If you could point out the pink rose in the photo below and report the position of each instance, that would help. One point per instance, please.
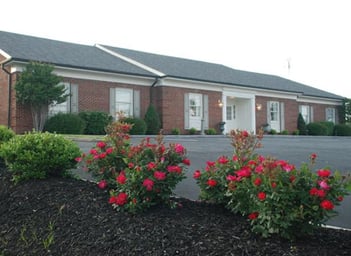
(148, 184)
(197, 174)
(159, 175)
(211, 183)
(102, 184)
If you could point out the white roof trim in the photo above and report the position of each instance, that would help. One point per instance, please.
(6, 55)
(131, 61)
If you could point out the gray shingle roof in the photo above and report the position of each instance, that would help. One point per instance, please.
(28, 48)
(210, 72)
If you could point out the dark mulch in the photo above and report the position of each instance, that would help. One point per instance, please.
(83, 223)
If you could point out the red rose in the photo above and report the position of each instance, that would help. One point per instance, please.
(327, 205)
(109, 150)
(121, 199)
(102, 184)
(323, 173)
(179, 149)
(223, 160)
(148, 184)
(340, 198)
(197, 174)
(212, 183)
(159, 175)
(101, 144)
(151, 166)
(257, 181)
(313, 156)
(273, 185)
(261, 196)
(121, 179)
(253, 215)
(186, 161)
(174, 168)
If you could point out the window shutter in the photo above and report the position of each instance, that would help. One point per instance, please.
(68, 98)
(136, 103)
(268, 112)
(282, 116)
(205, 109)
(186, 111)
(113, 103)
(311, 114)
(74, 98)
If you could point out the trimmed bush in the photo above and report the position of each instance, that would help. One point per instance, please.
(211, 131)
(38, 155)
(152, 120)
(175, 131)
(65, 123)
(317, 129)
(139, 125)
(301, 125)
(96, 122)
(329, 126)
(192, 131)
(342, 130)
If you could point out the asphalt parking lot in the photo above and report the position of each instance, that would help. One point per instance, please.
(332, 152)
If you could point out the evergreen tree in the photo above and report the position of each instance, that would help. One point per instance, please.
(37, 87)
(152, 120)
(301, 125)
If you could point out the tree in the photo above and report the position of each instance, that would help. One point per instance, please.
(345, 111)
(301, 125)
(37, 87)
(152, 120)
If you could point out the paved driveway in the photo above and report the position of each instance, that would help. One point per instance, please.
(333, 152)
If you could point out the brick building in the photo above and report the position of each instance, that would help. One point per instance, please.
(187, 93)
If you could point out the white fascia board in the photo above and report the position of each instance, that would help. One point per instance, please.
(131, 61)
(325, 101)
(92, 75)
(277, 94)
(6, 55)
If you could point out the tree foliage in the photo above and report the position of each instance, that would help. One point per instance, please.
(152, 120)
(345, 111)
(37, 87)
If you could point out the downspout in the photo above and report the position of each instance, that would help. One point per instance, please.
(151, 89)
(10, 94)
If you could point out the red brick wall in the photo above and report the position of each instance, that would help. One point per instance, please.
(291, 112)
(170, 105)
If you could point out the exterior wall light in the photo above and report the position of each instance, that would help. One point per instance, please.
(258, 106)
(220, 103)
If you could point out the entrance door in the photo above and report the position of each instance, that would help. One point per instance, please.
(274, 115)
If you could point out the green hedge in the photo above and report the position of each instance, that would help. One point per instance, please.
(342, 130)
(96, 122)
(317, 128)
(65, 123)
(139, 125)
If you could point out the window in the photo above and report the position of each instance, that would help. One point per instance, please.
(274, 110)
(330, 114)
(195, 101)
(230, 112)
(306, 112)
(124, 102)
(70, 105)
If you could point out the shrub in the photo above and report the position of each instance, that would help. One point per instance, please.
(138, 176)
(301, 125)
(317, 129)
(65, 123)
(39, 155)
(211, 131)
(342, 130)
(273, 132)
(276, 197)
(138, 125)
(152, 120)
(296, 132)
(175, 131)
(284, 132)
(329, 126)
(5, 135)
(96, 122)
(192, 131)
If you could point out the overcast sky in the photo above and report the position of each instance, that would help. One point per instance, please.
(307, 41)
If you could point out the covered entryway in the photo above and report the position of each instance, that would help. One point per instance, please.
(238, 112)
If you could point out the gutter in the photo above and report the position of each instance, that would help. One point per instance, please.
(9, 88)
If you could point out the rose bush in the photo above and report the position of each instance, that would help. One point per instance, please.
(276, 197)
(137, 176)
